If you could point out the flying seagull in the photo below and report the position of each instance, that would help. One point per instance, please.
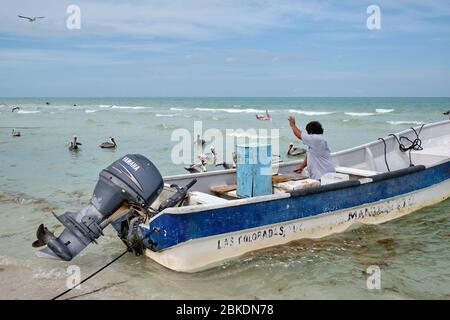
(33, 19)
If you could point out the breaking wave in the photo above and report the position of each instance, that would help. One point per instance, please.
(249, 110)
(90, 111)
(127, 107)
(396, 123)
(384, 110)
(311, 113)
(27, 111)
(165, 115)
(177, 109)
(359, 114)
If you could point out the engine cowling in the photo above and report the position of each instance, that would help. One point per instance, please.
(131, 180)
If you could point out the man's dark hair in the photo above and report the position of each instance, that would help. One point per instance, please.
(314, 127)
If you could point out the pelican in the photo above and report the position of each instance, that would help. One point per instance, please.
(210, 156)
(73, 146)
(295, 151)
(200, 141)
(226, 165)
(264, 117)
(31, 19)
(111, 144)
(447, 114)
(15, 133)
(15, 109)
(197, 168)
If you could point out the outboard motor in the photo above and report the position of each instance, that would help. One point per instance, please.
(131, 181)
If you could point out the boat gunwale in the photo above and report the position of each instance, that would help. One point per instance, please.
(355, 183)
(336, 153)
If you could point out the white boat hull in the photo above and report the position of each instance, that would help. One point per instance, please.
(204, 253)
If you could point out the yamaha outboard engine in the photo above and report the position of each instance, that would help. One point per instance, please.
(130, 181)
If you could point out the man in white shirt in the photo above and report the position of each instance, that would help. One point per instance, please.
(318, 158)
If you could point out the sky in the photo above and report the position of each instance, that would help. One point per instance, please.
(207, 48)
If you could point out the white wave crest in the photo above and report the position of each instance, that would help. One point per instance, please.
(396, 123)
(249, 110)
(384, 110)
(90, 111)
(104, 106)
(250, 135)
(177, 109)
(27, 111)
(127, 107)
(165, 115)
(311, 113)
(359, 114)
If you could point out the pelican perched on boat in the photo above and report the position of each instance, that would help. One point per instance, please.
(73, 145)
(111, 144)
(295, 151)
(264, 117)
(15, 133)
(197, 167)
(226, 165)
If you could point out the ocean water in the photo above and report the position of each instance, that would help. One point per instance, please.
(38, 174)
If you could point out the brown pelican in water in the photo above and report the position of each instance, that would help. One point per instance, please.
(15, 133)
(295, 151)
(198, 167)
(447, 114)
(210, 157)
(200, 141)
(264, 117)
(15, 109)
(111, 144)
(73, 146)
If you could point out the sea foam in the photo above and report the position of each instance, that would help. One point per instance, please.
(359, 114)
(384, 110)
(27, 111)
(249, 110)
(311, 113)
(405, 122)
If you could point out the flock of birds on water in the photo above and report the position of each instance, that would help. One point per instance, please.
(204, 158)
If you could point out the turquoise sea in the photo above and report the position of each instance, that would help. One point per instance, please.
(39, 174)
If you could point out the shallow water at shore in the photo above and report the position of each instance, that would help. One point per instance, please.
(38, 174)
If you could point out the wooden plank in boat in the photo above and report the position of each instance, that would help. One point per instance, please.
(223, 188)
(289, 177)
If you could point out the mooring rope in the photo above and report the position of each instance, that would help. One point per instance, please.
(96, 272)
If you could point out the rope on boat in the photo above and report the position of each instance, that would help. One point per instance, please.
(96, 272)
(385, 156)
(415, 145)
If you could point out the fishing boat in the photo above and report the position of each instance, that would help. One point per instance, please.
(206, 222)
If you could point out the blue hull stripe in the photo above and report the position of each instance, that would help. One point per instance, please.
(175, 229)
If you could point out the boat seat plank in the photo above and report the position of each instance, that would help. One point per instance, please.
(357, 172)
(223, 188)
(227, 191)
(198, 197)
